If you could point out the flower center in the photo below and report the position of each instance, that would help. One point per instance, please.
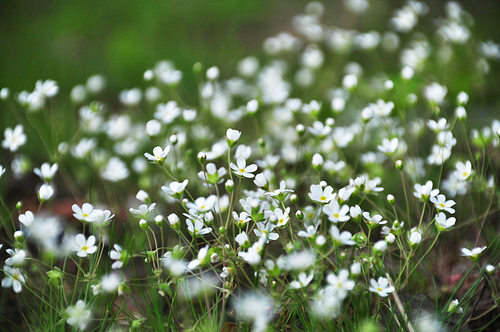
(242, 170)
(85, 248)
(322, 198)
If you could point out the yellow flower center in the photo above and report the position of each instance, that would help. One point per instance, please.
(85, 248)
(242, 170)
(322, 198)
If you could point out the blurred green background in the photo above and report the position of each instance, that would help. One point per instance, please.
(68, 41)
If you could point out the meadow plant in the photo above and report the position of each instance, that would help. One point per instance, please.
(335, 183)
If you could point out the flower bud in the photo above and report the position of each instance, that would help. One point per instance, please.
(143, 224)
(262, 142)
(159, 220)
(202, 158)
(229, 186)
(391, 199)
(173, 220)
(490, 269)
(301, 130)
(399, 165)
(19, 236)
(19, 205)
(222, 230)
(299, 214)
(294, 198)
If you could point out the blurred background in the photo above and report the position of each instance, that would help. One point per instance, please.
(68, 41)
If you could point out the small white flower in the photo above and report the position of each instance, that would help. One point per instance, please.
(441, 203)
(175, 188)
(45, 192)
(153, 127)
(46, 171)
(320, 195)
(241, 169)
(83, 246)
(473, 253)
(159, 154)
(78, 315)
(388, 146)
(110, 283)
(232, 136)
(82, 213)
(310, 232)
(17, 257)
(14, 138)
(118, 255)
(464, 171)
(13, 278)
(303, 281)
(197, 228)
(341, 284)
(27, 218)
(423, 192)
(381, 287)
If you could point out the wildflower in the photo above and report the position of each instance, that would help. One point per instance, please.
(373, 221)
(388, 146)
(197, 228)
(46, 172)
(212, 174)
(309, 233)
(474, 253)
(423, 192)
(115, 170)
(439, 126)
(175, 188)
(153, 127)
(17, 257)
(143, 211)
(320, 195)
(201, 259)
(202, 204)
(381, 287)
(355, 212)
(464, 171)
(281, 193)
(242, 219)
(441, 203)
(435, 93)
(335, 212)
(415, 236)
(14, 138)
(341, 284)
(82, 213)
(252, 256)
(110, 283)
(119, 256)
(243, 151)
(317, 161)
(340, 239)
(242, 169)
(299, 260)
(303, 281)
(232, 136)
(242, 239)
(265, 231)
(159, 155)
(381, 108)
(176, 266)
(45, 192)
(100, 218)
(78, 315)
(13, 278)
(143, 196)
(453, 307)
(255, 307)
(27, 218)
(83, 246)
(281, 216)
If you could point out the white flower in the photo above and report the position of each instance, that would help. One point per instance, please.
(415, 236)
(303, 281)
(388, 146)
(255, 307)
(343, 238)
(301, 260)
(46, 171)
(197, 228)
(153, 127)
(320, 195)
(48, 88)
(100, 218)
(14, 138)
(464, 171)
(317, 160)
(242, 169)
(473, 253)
(423, 192)
(241, 238)
(373, 221)
(381, 287)
(309, 232)
(110, 283)
(381, 108)
(335, 212)
(242, 219)
(45, 192)
(175, 188)
(252, 256)
(265, 231)
(83, 246)
(444, 224)
(441, 203)
(27, 218)
(13, 278)
(78, 315)
(232, 136)
(17, 257)
(439, 126)
(435, 93)
(115, 170)
(82, 213)
(281, 216)
(202, 204)
(341, 284)
(200, 259)
(117, 254)
(159, 155)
